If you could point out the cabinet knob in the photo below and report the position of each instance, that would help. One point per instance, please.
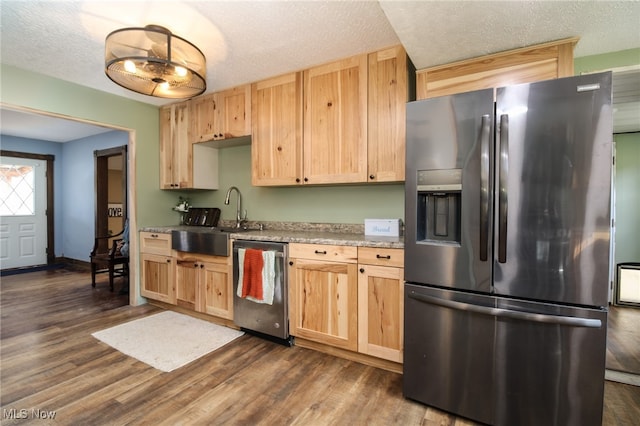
(290, 263)
(306, 180)
(195, 265)
(201, 266)
(297, 180)
(362, 270)
(168, 260)
(372, 177)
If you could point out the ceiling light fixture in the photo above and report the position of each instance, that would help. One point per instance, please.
(154, 62)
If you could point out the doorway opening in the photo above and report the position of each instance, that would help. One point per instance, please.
(111, 191)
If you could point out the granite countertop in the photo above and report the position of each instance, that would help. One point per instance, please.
(338, 234)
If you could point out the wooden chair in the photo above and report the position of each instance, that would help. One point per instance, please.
(110, 259)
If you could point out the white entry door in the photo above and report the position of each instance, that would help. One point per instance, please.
(23, 221)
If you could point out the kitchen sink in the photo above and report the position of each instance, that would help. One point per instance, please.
(212, 241)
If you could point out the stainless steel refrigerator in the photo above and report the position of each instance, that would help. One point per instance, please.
(508, 201)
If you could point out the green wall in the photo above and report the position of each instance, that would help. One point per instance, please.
(316, 204)
(35, 91)
(605, 61)
(627, 202)
(627, 195)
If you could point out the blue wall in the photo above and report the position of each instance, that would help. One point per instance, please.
(74, 186)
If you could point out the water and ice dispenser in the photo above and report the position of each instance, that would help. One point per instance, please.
(439, 207)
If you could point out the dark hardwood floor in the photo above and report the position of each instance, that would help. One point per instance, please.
(51, 363)
(623, 339)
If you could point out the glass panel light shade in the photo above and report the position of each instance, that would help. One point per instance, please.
(154, 62)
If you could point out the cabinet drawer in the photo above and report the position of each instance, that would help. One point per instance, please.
(182, 256)
(326, 252)
(381, 256)
(155, 243)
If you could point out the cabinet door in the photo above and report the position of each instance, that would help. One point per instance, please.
(235, 116)
(176, 159)
(276, 145)
(187, 273)
(525, 65)
(380, 312)
(204, 116)
(158, 276)
(323, 302)
(388, 95)
(335, 122)
(216, 294)
(167, 175)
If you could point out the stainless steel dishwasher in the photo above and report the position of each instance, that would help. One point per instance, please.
(269, 321)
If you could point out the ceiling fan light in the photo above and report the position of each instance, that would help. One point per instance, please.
(130, 66)
(181, 71)
(154, 62)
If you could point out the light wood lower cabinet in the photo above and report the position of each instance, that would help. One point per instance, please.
(355, 306)
(204, 284)
(157, 270)
(157, 275)
(323, 304)
(381, 303)
(216, 289)
(197, 282)
(187, 276)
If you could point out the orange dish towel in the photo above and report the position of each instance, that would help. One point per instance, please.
(252, 277)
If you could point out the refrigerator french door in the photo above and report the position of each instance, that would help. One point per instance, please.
(507, 251)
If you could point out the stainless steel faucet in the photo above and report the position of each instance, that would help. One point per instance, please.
(239, 219)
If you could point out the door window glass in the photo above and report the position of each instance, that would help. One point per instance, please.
(17, 185)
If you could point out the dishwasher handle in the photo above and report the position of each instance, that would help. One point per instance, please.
(278, 253)
(508, 313)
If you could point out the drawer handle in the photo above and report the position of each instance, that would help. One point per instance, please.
(321, 252)
(379, 256)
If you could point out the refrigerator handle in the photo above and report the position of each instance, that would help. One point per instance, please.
(502, 197)
(508, 313)
(485, 133)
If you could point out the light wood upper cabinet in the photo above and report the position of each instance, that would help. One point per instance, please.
(206, 124)
(353, 115)
(221, 115)
(335, 122)
(236, 111)
(176, 158)
(534, 63)
(391, 86)
(183, 164)
(276, 145)
(323, 299)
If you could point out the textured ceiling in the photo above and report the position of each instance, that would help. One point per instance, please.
(439, 32)
(246, 41)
